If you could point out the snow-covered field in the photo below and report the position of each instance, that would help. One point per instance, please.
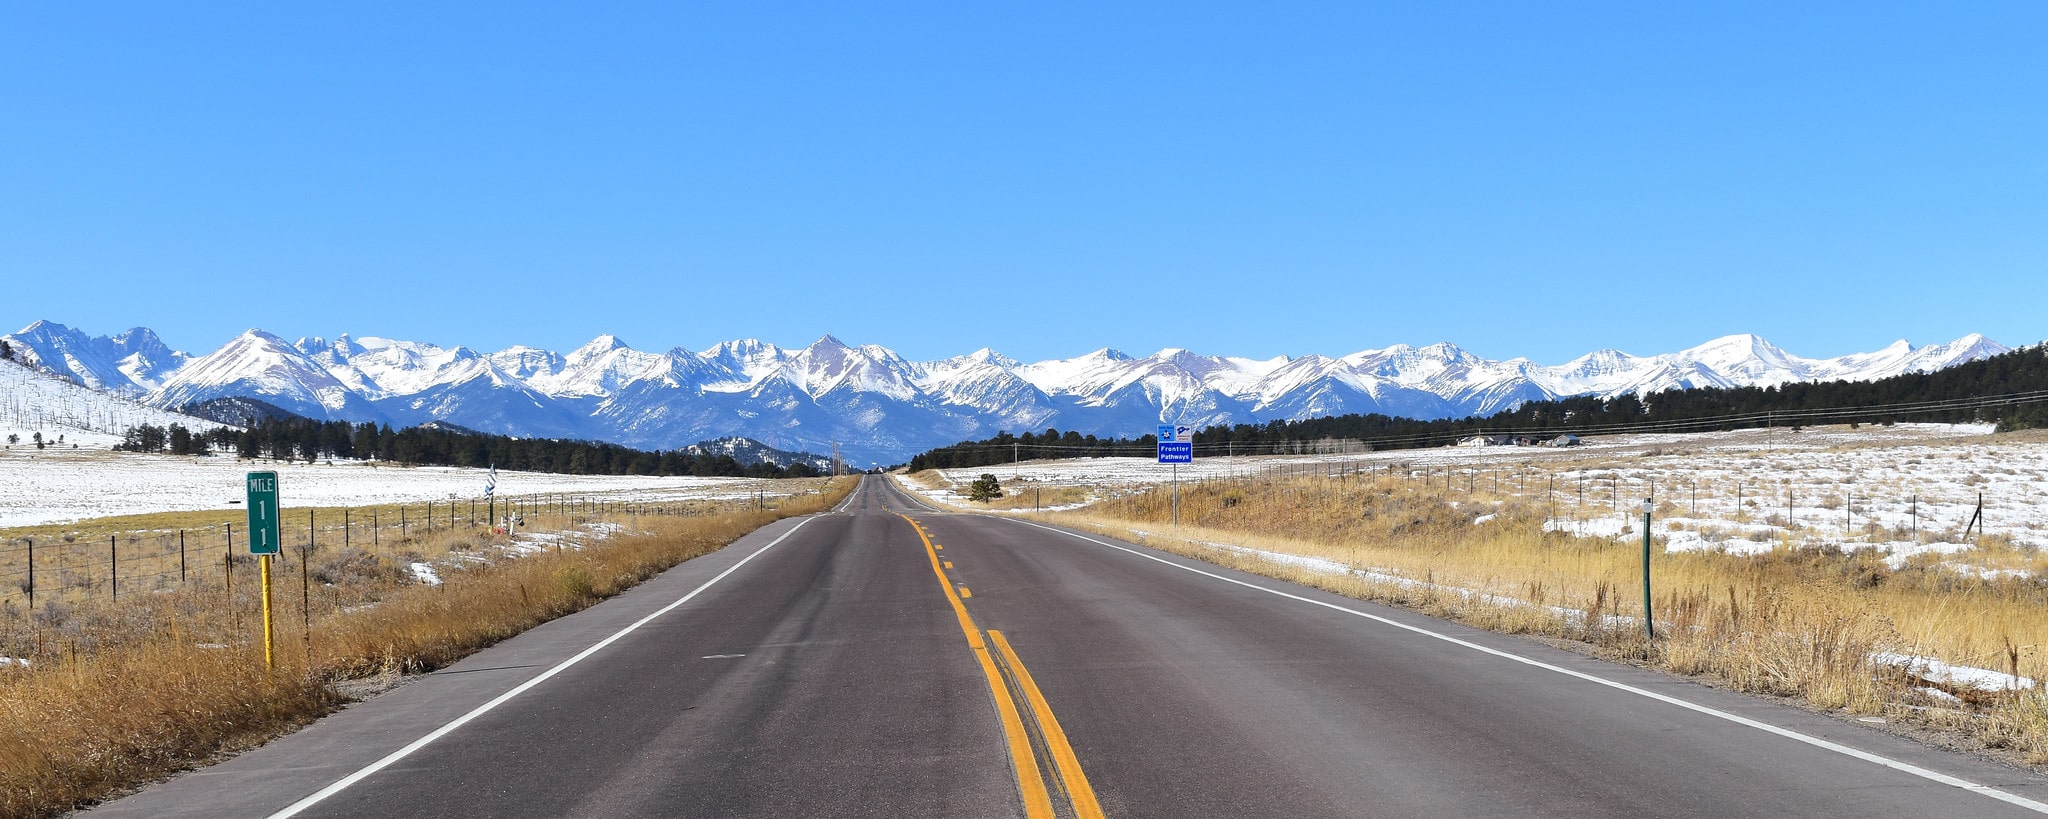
(60, 485)
(1859, 488)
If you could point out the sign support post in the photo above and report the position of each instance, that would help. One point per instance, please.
(1176, 496)
(269, 642)
(263, 542)
(1176, 447)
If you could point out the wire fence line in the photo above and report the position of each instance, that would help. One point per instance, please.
(36, 572)
(1831, 511)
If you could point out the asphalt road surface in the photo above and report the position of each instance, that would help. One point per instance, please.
(888, 659)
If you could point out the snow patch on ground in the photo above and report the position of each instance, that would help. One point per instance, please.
(1954, 676)
(525, 543)
(55, 486)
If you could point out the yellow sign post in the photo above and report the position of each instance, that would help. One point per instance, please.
(263, 542)
(269, 661)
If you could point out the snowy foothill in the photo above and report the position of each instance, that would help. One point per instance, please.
(62, 485)
(66, 415)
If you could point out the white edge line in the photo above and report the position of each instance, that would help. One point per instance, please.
(913, 497)
(1937, 776)
(480, 710)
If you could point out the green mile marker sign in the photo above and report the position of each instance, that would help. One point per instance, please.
(263, 513)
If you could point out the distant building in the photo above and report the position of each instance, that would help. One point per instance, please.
(1487, 440)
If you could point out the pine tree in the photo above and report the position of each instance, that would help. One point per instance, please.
(984, 489)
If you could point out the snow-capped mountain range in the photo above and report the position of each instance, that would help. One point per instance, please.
(878, 406)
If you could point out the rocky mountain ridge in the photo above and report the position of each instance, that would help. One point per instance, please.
(878, 406)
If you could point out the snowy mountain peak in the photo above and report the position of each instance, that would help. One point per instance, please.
(341, 349)
(127, 365)
(1601, 361)
(1444, 351)
(261, 336)
(988, 355)
(528, 362)
(1749, 359)
(259, 364)
(139, 337)
(741, 347)
(1975, 344)
(597, 347)
(826, 343)
(1738, 345)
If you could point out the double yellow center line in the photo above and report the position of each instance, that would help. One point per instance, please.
(1030, 781)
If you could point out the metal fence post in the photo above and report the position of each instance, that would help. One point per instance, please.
(1649, 628)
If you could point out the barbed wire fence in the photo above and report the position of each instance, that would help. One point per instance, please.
(39, 571)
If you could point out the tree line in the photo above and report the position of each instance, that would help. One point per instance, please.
(305, 439)
(2009, 390)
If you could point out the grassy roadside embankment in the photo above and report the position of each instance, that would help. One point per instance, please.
(121, 693)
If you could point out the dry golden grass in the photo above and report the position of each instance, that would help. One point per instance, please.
(121, 693)
(1024, 493)
(1033, 495)
(1799, 623)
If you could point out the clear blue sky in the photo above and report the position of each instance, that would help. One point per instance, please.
(1262, 179)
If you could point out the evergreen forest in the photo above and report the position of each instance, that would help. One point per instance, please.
(296, 438)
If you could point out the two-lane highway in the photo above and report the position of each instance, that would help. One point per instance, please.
(891, 660)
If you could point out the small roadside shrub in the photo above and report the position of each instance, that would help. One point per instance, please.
(984, 489)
